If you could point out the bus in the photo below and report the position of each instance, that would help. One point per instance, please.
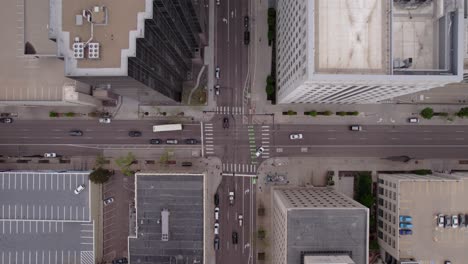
(171, 127)
(165, 224)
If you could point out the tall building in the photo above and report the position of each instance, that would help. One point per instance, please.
(117, 45)
(366, 51)
(318, 225)
(422, 198)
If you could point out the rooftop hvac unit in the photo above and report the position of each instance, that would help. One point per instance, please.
(93, 50)
(78, 50)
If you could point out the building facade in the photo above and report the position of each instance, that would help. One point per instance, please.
(318, 224)
(345, 51)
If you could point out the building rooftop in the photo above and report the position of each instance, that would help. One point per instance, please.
(315, 198)
(182, 196)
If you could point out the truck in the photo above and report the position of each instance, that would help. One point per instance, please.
(168, 127)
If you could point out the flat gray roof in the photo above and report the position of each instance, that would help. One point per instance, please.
(182, 195)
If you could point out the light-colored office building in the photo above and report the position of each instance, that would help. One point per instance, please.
(318, 225)
(366, 51)
(421, 197)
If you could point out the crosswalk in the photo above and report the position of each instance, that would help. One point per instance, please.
(230, 110)
(240, 168)
(265, 136)
(208, 138)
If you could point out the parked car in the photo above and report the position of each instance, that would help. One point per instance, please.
(218, 2)
(216, 243)
(462, 220)
(440, 220)
(355, 128)
(225, 122)
(447, 262)
(216, 228)
(259, 152)
(231, 198)
(295, 136)
(80, 188)
(455, 221)
(172, 141)
(6, 120)
(246, 22)
(120, 261)
(413, 120)
(217, 72)
(191, 141)
(216, 213)
(466, 220)
(405, 218)
(406, 225)
(246, 37)
(108, 200)
(75, 133)
(448, 221)
(406, 232)
(234, 237)
(186, 164)
(50, 155)
(105, 120)
(134, 133)
(155, 141)
(217, 89)
(216, 199)
(241, 219)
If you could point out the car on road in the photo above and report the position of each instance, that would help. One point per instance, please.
(231, 198)
(355, 128)
(80, 188)
(448, 221)
(225, 122)
(406, 225)
(218, 2)
(406, 232)
(455, 221)
(440, 220)
(217, 89)
(405, 218)
(172, 141)
(155, 141)
(105, 120)
(241, 219)
(6, 120)
(216, 243)
(216, 228)
(246, 22)
(191, 141)
(217, 72)
(234, 237)
(108, 200)
(120, 261)
(134, 133)
(462, 220)
(413, 120)
(259, 152)
(295, 136)
(216, 199)
(186, 164)
(247, 37)
(216, 213)
(75, 133)
(50, 155)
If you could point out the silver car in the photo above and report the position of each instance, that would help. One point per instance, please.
(259, 152)
(80, 188)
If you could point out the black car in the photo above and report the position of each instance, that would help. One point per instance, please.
(76, 133)
(246, 37)
(186, 164)
(191, 141)
(225, 122)
(134, 133)
(234, 237)
(216, 199)
(246, 22)
(216, 243)
(120, 261)
(6, 120)
(155, 141)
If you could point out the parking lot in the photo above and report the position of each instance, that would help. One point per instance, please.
(42, 220)
(423, 201)
(43, 196)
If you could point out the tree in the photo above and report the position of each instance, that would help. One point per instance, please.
(427, 113)
(100, 161)
(125, 162)
(53, 114)
(271, 35)
(341, 113)
(463, 112)
(70, 114)
(313, 113)
(100, 175)
(327, 113)
(353, 113)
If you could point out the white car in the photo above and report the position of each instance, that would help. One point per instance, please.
(109, 200)
(231, 198)
(105, 120)
(295, 136)
(218, 2)
(241, 219)
(259, 152)
(216, 231)
(217, 213)
(50, 155)
(355, 128)
(80, 188)
(217, 72)
(441, 220)
(217, 89)
(455, 221)
(413, 120)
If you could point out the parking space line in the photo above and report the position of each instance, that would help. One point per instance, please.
(39, 181)
(62, 226)
(83, 213)
(8, 181)
(3, 183)
(21, 182)
(33, 182)
(45, 183)
(51, 181)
